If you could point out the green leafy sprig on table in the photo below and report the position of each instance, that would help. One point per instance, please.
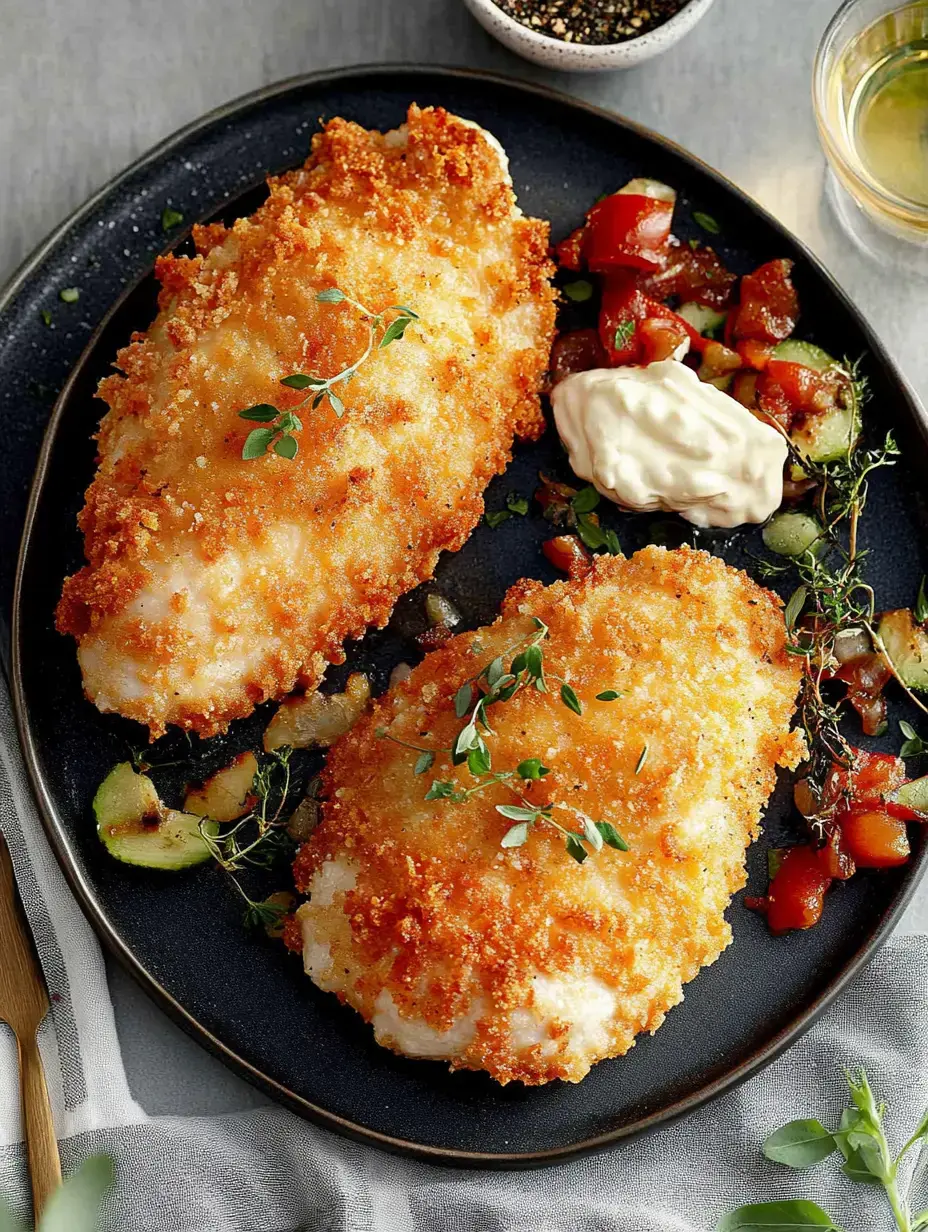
(259, 838)
(861, 1142)
(280, 426)
(76, 1205)
(495, 684)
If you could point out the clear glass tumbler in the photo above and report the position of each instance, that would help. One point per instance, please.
(870, 93)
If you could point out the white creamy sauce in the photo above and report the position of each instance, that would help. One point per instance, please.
(659, 438)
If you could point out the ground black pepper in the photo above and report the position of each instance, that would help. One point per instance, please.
(592, 21)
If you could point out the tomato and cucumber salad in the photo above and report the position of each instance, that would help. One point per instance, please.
(657, 297)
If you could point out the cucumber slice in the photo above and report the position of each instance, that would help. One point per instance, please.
(136, 828)
(226, 795)
(906, 643)
(822, 438)
(792, 534)
(792, 351)
(913, 795)
(643, 187)
(704, 320)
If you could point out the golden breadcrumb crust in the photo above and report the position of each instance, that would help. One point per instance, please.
(441, 915)
(214, 583)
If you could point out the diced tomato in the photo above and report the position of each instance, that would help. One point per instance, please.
(623, 309)
(874, 839)
(877, 774)
(797, 893)
(772, 399)
(874, 777)
(578, 351)
(866, 677)
(569, 252)
(566, 552)
(755, 354)
(659, 338)
(628, 229)
(551, 492)
(834, 858)
(696, 276)
(768, 306)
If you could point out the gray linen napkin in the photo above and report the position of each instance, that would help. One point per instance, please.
(268, 1171)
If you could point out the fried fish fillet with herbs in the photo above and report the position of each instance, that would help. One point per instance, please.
(518, 959)
(215, 582)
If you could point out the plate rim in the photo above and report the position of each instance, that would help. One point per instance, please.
(51, 822)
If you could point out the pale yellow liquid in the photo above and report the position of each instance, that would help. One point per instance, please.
(888, 122)
(878, 86)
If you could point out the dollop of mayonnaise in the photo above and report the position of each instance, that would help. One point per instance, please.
(659, 438)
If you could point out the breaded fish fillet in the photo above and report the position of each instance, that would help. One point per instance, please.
(214, 583)
(521, 961)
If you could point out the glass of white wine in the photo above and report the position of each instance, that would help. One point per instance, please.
(870, 90)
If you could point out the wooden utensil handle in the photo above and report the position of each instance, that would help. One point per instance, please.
(38, 1126)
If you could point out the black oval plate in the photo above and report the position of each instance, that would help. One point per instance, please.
(181, 936)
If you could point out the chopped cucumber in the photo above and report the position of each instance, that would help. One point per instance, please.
(913, 795)
(792, 351)
(226, 795)
(906, 643)
(704, 320)
(136, 828)
(822, 438)
(643, 187)
(792, 534)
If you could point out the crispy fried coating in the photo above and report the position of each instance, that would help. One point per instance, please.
(521, 961)
(214, 583)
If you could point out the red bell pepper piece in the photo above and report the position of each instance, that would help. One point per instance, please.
(628, 229)
(569, 251)
(567, 553)
(768, 307)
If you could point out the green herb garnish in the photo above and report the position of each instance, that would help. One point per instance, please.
(592, 535)
(69, 295)
(579, 291)
(832, 596)
(643, 757)
(170, 218)
(46, 316)
(624, 333)
(278, 434)
(497, 518)
(914, 745)
(259, 839)
(706, 221)
(284, 423)
(861, 1142)
(921, 603)
(496, 683)
(517, 504)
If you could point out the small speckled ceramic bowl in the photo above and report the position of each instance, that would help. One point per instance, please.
(585, 57)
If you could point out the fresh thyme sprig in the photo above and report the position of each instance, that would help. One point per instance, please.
(278, 434)
(493, 684)
(832, 597)
(259, 838)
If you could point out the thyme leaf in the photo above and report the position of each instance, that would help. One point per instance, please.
(322, 388)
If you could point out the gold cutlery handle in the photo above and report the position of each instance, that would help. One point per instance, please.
(38, 1126)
